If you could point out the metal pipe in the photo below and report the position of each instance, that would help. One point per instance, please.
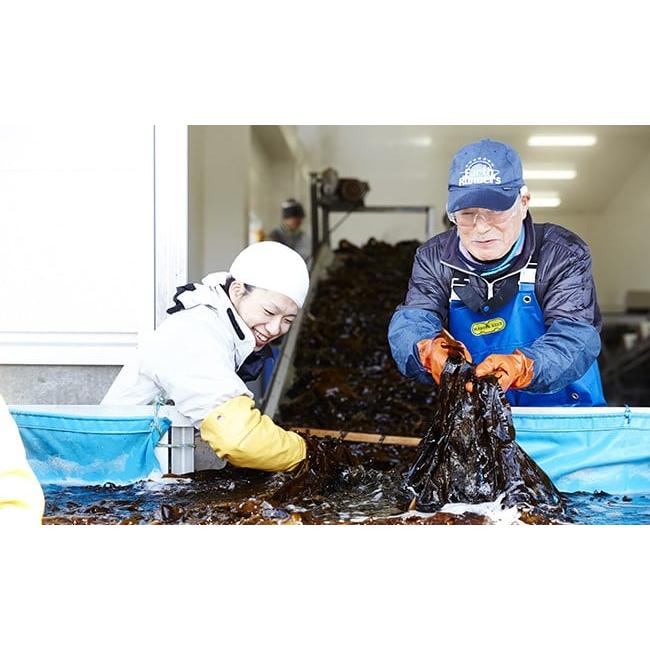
(313, 196)
(326, 226)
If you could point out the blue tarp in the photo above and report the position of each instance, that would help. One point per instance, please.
(599, 450)
(90, 450)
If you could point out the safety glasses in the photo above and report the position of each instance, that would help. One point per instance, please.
(467, 218)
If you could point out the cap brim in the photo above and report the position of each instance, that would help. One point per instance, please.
(486, 197)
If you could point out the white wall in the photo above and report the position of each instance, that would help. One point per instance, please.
(219, 159)
(278, 171)
(618, 237)
(398, 173)
(621, 239)
(234, 170)
(77, 213)
(262, 193)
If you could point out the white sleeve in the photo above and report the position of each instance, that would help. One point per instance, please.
(191, 358)
(21, 496)
(130, 386)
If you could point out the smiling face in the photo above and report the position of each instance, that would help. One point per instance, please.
(489, 237)
(268, 314)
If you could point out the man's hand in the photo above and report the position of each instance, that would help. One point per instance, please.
(512, 370)
(434, 352)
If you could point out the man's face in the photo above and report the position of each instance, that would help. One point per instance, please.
(293, 223)
(267, 313)
(489, 235)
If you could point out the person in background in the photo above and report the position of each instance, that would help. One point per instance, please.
(519, 296)
(21, 495)
(290, 232)
(215, 340)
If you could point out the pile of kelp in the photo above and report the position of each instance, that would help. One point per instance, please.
(338, 483)
(469, 454)
(346, 379)
(345, 376)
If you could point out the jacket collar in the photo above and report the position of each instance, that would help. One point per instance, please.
(451, 256)
(211, 293)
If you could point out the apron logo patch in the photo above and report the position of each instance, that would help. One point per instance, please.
(488, 326)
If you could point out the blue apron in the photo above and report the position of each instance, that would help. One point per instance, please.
(513, 320)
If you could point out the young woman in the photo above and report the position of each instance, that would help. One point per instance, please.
(214, 340)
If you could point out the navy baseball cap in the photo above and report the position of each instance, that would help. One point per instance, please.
(485, 174)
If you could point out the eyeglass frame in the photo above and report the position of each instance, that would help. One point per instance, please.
(510, 212)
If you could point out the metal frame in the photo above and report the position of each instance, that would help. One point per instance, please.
(322, 235)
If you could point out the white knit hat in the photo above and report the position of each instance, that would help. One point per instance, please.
(273, 266)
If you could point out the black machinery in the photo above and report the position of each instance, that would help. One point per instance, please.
(329, 193)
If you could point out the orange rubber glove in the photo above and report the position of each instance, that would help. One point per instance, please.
(512, 370)
(434, 352)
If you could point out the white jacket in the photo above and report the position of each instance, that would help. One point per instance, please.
(192, 358)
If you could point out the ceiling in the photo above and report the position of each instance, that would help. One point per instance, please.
(385, 154)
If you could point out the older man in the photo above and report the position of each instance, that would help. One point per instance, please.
(519, 296)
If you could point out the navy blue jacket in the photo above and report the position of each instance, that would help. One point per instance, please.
(564, 288)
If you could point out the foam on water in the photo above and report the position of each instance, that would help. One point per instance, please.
(492, 510)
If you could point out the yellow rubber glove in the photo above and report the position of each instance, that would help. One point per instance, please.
(240, 434)
(21, 496)
(512, 370)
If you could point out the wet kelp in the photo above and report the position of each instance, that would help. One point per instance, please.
(329, 465)
(469, 453)
(345, 379)
(345, 376)
(241, 497)
(337, 483)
